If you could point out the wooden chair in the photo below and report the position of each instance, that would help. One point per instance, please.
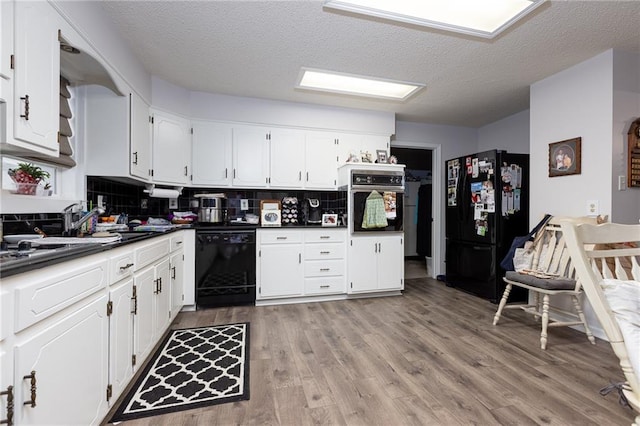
(550, 274)
(607, 262)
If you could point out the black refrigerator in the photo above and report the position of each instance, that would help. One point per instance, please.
(487, 206)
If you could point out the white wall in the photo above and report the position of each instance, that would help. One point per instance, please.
(447, 142)
(626, 109)
(510, 134)
(576, 102)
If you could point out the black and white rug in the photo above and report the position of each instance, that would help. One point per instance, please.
(193, 368)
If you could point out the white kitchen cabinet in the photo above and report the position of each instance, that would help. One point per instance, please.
(120, 336)
(152, 296)
(176, 264)
(287, 158)
(321, 161)
(250, 157)
(64, 367)
(376, 263)
(36, 78)
(140, 137)
(118, 134)
(171, 148)
(324, 262)
(6, 38)
(189, 277)
(211, 154)
(350, 143)
(6, 382)
(280, 269)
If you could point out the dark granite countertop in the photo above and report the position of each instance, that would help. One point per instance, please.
(53, 255)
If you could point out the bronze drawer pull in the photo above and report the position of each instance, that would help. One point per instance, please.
(31, 376)
(325, 252)
(26, 107)
(127, 266)
(9, 419)
(325, 286)
(325, 269)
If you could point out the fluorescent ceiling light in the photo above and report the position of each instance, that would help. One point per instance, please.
(483, 18)
(334, 82)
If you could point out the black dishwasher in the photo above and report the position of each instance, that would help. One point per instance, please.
(225, 267)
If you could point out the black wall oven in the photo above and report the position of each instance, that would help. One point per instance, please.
(225, 267)
(376, 201)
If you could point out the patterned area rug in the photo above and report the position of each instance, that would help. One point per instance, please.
(194, 367)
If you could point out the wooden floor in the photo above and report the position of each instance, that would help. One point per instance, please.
(430, 356)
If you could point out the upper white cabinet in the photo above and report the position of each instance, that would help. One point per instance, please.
(36, 77)
(321, 161)
(357, 144)
(140, 137)
(211, 153)
(287, 165)
(171, 146)
(6, 38)
(117, 128)
(250, 156)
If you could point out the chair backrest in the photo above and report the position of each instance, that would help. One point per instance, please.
(608, 251)
(550, 254)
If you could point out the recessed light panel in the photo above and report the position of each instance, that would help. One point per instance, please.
(328, 81)
(484, 18)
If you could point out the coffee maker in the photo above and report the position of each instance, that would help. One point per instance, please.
(314, 213)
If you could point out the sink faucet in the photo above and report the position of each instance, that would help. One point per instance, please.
(71, 227)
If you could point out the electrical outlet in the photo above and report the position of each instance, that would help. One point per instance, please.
(144, 203)
(244, 204)
(592, 208)
(173, 203)
(622, 183)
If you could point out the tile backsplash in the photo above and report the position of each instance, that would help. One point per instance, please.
(121, 197)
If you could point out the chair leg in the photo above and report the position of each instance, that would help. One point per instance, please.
(545, 321)
(503, 302)
(587, 330)
(536, 301)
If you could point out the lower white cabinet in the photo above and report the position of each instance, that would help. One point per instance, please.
(376, 263)
(299, 263)
(280, 271)
(60, 372)
(71, 333)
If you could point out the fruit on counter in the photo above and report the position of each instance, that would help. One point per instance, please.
(27, 176)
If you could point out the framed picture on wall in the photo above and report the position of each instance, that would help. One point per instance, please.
(382, 156)
(565, 157)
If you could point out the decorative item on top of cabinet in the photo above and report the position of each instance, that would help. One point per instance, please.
(633, 169)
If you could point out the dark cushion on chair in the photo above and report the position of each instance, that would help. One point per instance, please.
(545, 283)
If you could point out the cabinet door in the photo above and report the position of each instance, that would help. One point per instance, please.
(374, 143)
(287, 148)
(211, 157)
(390, 262)
(348, 144)
(281, 271)
(363, 275)
(250, 156)
(120, 337)
(70, 363)
(144, 287)
(36, 77)
(6, 38)
(321, 161)
(6, 378)
(177, 282)
(162, 302)
(140, 137)
(171, 148)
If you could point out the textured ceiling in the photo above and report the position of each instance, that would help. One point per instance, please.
(256, 49)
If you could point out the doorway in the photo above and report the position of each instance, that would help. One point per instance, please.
(422, 195)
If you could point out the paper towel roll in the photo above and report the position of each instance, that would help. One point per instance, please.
(163, 193)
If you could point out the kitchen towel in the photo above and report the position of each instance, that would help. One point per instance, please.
(374, 213)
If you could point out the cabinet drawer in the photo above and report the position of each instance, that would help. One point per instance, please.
(121, 265)
(319, 268)
(176, 241)
(328, 285)
(280, 236)
(54, 288)
(324, 251)
(324, 235)
(148, 253)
